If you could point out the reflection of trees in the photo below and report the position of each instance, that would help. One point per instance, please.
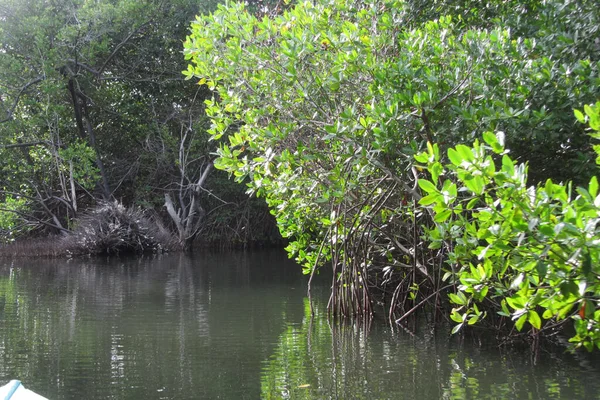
(170, 326)
(100, 324)
(218, 326)
(322, 360)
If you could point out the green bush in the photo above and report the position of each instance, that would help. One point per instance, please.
(528, 253)
(322, 108)
(10, 223)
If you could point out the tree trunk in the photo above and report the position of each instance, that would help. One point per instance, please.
(189, 217)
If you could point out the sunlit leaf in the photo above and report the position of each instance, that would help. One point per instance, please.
(534, 319)
(521, 321)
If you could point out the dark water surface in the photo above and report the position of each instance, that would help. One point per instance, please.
(238, 326)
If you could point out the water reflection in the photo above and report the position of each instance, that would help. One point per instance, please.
(428, 365)
(160, 328)
(236, 327)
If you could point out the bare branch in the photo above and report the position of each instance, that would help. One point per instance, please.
(172, 212)
(203, 177)
(29, 144)
(84, 66)
(38, 220)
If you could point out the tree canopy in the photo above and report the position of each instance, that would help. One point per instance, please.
(93, 107)
(324, 106)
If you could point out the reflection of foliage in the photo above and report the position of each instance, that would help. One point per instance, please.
(173, 326)
(322, 360)
(132, 328)
(23, 335)
(330, 360)
(289, 373)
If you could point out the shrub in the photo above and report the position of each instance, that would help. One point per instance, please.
(10, 224)
(530, 254)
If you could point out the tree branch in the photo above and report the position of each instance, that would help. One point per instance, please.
(173, 213)
(203, 177)
(29, 144)
(10, 112)
(84, 66)
(40, 221)
(119, 46)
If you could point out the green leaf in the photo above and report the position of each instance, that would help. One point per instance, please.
(457, 328)
(436, 170)
(430, 150)
(422, 157)
(430, 199)
(534, 319)
(427, 186)
(472, 203)
(454, 157)
(586, 264)
(520, 322)
(593, 187)
(435, 245)
(517, 303)
(465, 152)
(565, 310)
(456, 316)
(456, 299)
(504, 307)
(489, 138)
(542, 268)
(594, 120)
(507, 165)
(475, 184)
(569, 288)
(442, 216)
(579, 115)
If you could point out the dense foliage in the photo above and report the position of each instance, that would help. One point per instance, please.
(528, 253)
(320, 108)
(323, 106)
(93, 107)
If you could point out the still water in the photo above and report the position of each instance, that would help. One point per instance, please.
(238, 326)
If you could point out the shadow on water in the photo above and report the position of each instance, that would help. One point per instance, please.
(238, 326)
